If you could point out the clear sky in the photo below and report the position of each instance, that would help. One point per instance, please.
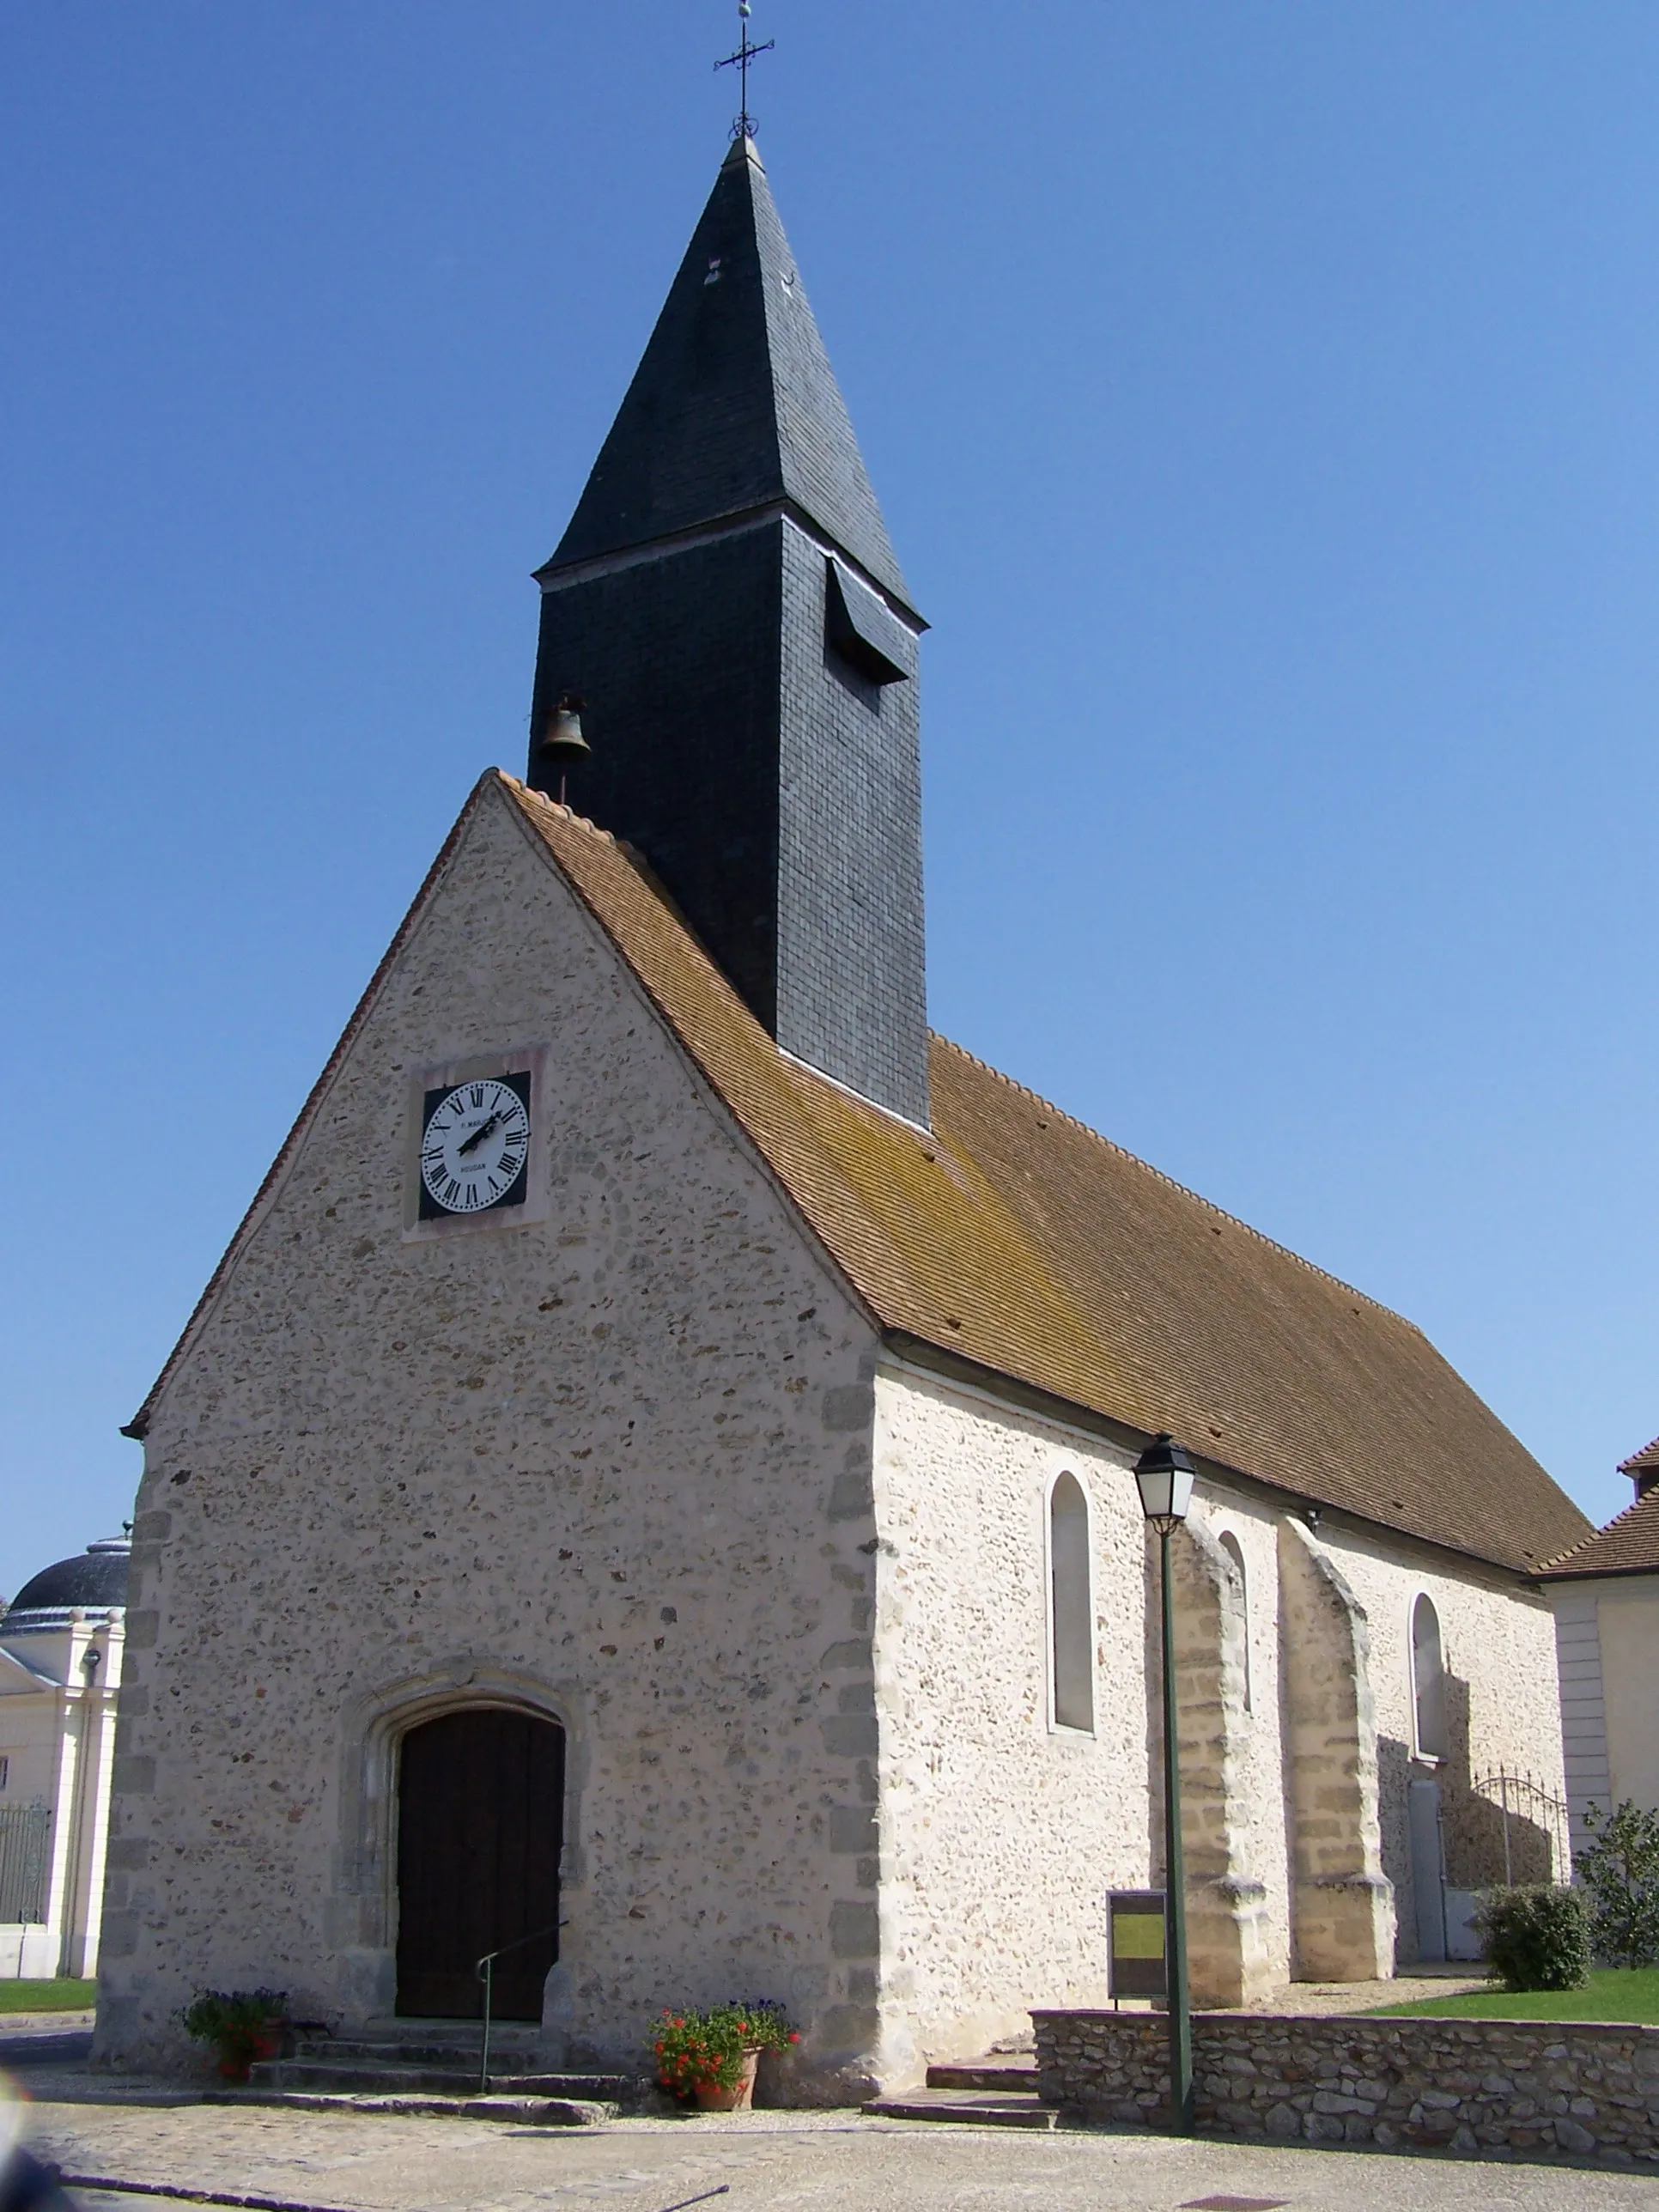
(1265, 404)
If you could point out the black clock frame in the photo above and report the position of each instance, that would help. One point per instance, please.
(430, 1209)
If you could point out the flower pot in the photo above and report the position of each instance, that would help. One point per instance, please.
(740, 2097)
(255, 2044)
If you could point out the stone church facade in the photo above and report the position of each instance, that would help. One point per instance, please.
(710, 1563)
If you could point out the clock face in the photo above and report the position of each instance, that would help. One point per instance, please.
(475, 1142)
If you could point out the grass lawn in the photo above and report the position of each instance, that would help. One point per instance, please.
(1621, 1993)
(62, 1995)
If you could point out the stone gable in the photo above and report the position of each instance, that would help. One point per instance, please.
(611, 1465)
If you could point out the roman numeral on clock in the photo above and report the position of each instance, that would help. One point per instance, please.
(475, 1147)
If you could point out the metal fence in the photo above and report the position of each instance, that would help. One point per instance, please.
(25, 1862)
(1528, 1807)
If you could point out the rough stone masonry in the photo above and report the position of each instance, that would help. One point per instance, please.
(1539, 2088)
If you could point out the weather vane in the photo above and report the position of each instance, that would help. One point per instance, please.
(745, 125)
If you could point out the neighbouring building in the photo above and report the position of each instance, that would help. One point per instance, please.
(60, 1669)
(1606, 1594)
(649, 1481)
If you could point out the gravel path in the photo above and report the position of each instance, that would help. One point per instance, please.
(1327, 1997)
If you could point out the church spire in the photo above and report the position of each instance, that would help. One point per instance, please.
(727, 610)
(734, 405)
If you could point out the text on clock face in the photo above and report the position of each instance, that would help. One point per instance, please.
(475, 1145)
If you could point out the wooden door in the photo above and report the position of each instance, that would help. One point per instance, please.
(480, 1825)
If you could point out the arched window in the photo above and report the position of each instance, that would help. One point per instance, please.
(1235, 1551)
(1428, 1681)
(1071, 1605)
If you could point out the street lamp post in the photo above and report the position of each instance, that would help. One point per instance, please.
(1164, 1476)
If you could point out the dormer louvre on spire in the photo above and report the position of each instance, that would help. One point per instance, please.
(727, 605)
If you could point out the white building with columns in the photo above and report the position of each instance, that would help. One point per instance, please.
(61, 1643)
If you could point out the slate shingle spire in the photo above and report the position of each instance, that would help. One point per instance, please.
(734, 404)
(727, 603)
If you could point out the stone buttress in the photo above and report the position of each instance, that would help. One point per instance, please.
(1342, 1914)
(1229, 1952)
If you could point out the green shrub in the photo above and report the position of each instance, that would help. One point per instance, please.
(1536, 1938)
(1619, 1868)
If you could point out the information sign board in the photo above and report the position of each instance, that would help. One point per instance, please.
(1135, 1955)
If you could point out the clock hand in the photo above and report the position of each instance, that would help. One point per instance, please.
(477, 1137)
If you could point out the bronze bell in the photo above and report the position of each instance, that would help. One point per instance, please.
(563, 744)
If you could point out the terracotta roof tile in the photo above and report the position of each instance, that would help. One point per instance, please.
(1016, 1237)
(1628, 1545)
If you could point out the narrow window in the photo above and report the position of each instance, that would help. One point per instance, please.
(5, 1770)
(1071, 1605)
(1235, 1551)
(1428, 1681)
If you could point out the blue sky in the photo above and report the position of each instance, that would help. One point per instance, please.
(1263, 403)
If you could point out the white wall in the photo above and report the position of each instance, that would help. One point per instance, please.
(1497, 1641)
(1628, 1615)
(1000, 1833)
(1607, 1647)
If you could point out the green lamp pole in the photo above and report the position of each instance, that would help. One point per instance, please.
(1164, 1476)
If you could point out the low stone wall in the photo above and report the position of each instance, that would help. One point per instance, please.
(1531, 2087)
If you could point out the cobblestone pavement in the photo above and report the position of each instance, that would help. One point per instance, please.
(820, 2162)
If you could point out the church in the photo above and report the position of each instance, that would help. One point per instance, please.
(647, 1490)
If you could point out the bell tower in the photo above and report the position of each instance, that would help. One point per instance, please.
(726, 616)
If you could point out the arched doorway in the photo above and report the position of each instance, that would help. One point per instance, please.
(480, 1827)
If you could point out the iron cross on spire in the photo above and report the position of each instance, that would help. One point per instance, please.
(745, 125)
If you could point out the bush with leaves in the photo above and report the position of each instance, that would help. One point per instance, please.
(704, 2050)
(1619, 1868)
(1536, 1938)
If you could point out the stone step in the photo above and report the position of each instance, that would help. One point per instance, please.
(984, 2074)
(340, 2051)
(409, 2037)
(365, 2075)
(360, 2073)
(439, 2034)
(604, 2088)
(45, 2050)
(985, 2108)
(518, 2111)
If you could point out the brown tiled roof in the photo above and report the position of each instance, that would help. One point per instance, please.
(1627, 1546)
(1015, 1237)
(1638, 1462)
